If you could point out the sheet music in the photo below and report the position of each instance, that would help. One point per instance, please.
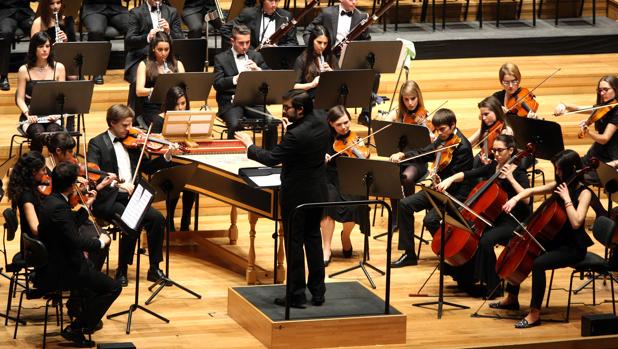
(135, 208)
(272, 180)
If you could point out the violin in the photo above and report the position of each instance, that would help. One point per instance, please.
(136, 138)
(515, 262)
(409, 117)
(45, 187)
(444, 157)
(351, 145)
(490, 136)
(486, 199)
(596, 115)
(521, 106)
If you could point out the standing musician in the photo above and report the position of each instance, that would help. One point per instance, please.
(513, 180)
(315, 59)
(445, 123)
(510, 78)
(303, 180)
(341, 136)
(605, 146)
(493, 124)
(161, 60)
(64, 32)
(193, 13)
(67, 267)
(228, 66)
(263, 21)
(108, 152)
(570, 243)
(40, 66)
(98, 15)
(14, 14)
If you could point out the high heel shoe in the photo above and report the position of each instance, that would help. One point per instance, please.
(327, 262)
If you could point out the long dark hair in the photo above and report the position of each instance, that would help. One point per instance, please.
(493, 104)
(39, 39)
(312, 67)
(46, 15)
(152, 70)
(22, 176)
(334, 114)
(612, 80)
(172, 96)
(569, 162)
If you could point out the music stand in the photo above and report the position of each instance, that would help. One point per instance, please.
(170, 182)
(181, 125)
(381, 56)
(449, 214)
(281, 57)
(61, 97)
(196, 84)
(608, 176)
(87, 58)
(192, 53)
(399, 137)
(364, 177)
(130, 224)
(350, 88)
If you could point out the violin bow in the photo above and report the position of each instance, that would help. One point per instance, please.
(527, 232)
(535, 87)
(356, 142)
(489, 132)
(590, 109)
(429, 152)
(465, 207)
(141, 155)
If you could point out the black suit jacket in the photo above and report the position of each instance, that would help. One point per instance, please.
(10, 7)
(136, 43)
(301, 153)
(225, 70)
(101, 152)
(329, 17)
(58, 230)
(252, 18)
(97, 6)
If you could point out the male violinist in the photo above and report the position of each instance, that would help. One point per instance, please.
(107, 151)
(445, 124)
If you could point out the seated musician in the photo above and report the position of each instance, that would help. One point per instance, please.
(107, 151)
(228, 66)
(445, 123)
(58, 32)
(161, 60)
(263, 21)
(513, 180)
(193, 13)
(67, 267)
(339, 121)
(510, 78)
(316, 58)
(570, 244)
(14, 14)
(40, 66)
(604, 135)
(493, 123)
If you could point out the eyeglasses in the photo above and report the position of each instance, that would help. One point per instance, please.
(498, 150)
(286, 107)
(510, 83)
(604, 89)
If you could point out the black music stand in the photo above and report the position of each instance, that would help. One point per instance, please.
(451, 215)
(364, 177)
(168, 183)
(381, 56)
(281, 57)
(192, 53)
(350, 88)
(86, 58)
(5, 54)
(254, 176)
(61, 97)
(130, 224)
(399, 137)
(196, 84)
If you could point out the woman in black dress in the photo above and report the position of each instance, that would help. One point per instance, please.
(47, 22)
(315, 59)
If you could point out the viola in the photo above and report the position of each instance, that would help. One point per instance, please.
(486, 199)
(154, 144)
(522, 102)
(45, 188)
(515, 262)
(490, 136)
(596, 115)
(351, 145)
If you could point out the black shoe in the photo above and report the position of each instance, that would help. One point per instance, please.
(121, 277)
(476, 291)
(348, 253)
(363, 118)
(98, 80)
(317, 300)
(184, 228)
(76, 336)
(405, 260)
(299, 304)
(91, 330)
(4, 84)
(327, 262)
(155, 274)
(498, 305)
(523, 323)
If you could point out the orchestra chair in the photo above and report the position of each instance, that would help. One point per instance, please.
(19, 138)
(111, 33)
(17, 267)
(113, 231)
(603, 230)
(581, 10)
(519, 8)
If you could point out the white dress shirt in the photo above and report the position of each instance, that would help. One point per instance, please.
(122, 158)
(267, 27)
(343, 25)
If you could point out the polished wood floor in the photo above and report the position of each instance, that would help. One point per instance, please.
(204, 323)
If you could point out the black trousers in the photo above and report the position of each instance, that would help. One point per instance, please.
(305, 233)
(559, 257)
(8, 26)
(195, 23)
(485, 265)
(97, 293)
(233, 116)
(34, 133)
(154, 223)
(97, 23)
(188, 198)
(97, 258)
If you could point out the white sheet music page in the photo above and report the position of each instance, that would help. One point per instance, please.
(136, 206)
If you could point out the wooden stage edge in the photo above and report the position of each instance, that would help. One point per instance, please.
(599, 342)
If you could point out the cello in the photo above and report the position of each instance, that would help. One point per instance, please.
(515, 262)
(487, 199)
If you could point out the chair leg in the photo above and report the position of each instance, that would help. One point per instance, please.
(568, 311)
(45, 320)
(551, 281)
(21, 298)
(594, 289)
(611, 280)
(420, 242)
(9, 301)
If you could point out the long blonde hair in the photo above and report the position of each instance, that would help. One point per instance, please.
(409, 88)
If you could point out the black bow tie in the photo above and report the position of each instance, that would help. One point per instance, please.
(153, 9)
(116, 139)
(344, 13)
(240, 55)
(271, 16)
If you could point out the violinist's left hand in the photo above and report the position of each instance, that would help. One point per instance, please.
(563, 191)
(397, 157)
(532, 115)
(244, 138)
(92, 195)
(327, 158)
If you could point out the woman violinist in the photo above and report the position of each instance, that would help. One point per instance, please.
(161, 60)
(315, 59)
(604, 135)
(515, 100)
(512, 179)
(569, 244)
(493, 124)
(339, 121)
